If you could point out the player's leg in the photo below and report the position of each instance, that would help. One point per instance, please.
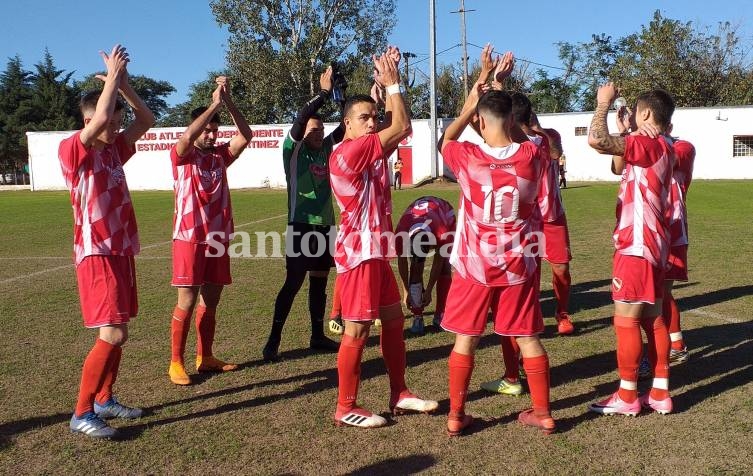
(294, 277)
(658, 345)
(105, 403)
(557, 244)
(416, 293)
(460, 367)
(317, 308)
(536, 364)
(509, 383)
(180, 324)
(443, 288)
(336, 325)
(206, 325)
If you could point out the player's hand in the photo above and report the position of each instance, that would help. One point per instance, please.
(223, 85)
(488, 61)
(386, 68)
(325, 80)
(606, 93)
(648, 130)
(394, 53)
(377, 94)
(624, 119)
(116, 62)
(504, 67)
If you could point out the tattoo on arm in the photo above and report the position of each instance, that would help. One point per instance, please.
(599, 135)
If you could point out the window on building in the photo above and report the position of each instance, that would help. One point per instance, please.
(581, 131)
(742, 146)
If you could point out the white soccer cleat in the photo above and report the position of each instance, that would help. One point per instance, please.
(360, 418)
(413, 404)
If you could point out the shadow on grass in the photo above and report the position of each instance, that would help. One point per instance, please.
(412, 464)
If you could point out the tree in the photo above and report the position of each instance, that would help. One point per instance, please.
(200, 94)
(152, 91)
(277, 49)
(53, 99)
(15, 113)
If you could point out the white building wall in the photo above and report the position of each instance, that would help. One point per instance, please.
(711, 130)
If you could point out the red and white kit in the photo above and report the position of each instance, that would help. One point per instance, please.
(361, 186)
(104, 222)
(682, 175)
(202, 196)
(430, 214)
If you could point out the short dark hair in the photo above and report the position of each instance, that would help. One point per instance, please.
(200, 110)
(660, 103)
(496, 103)
(521, 108)
(90, 99)
(355, 99)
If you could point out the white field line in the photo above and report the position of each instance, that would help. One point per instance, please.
(155, 245)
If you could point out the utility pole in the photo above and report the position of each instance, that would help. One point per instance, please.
(407, 55)
(435, 172)
(464, 42)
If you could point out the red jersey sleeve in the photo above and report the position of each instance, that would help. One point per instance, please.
(642, 151)
(125, 150)
(71, 153)
(451, 153)
(356, 155)
(684, 160)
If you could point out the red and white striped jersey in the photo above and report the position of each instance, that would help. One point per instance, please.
(644, 207)
(430, 214)
(202, 196)
(497, 242)
(104, 222)
(550, 199)
(361, 185)
(682, 175)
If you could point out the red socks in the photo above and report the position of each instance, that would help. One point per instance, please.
(111, 375)
(658, 354)
(393, 351)
(461, 368)
(180, 323)
(629, 346)
(443, 288)
(672, 319)
(93, 375)
(205, 325)
(510, 355)
(537, 373)
(349, 371)
(561, 285)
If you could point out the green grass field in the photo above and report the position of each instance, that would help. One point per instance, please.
(277, 418)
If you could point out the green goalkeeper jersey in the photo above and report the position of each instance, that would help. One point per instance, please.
(307, 174)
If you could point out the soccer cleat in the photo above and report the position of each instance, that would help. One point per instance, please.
(209, 363)
(411, 403)
(114, 409)
(457, 424)
(270, 353)
(418, 326)
(437, 321)
(177, 373)
(615, 405)
(91, 425)
(544, 423)
(324, 344)
(678, 356)
(359, 418)
(659, 406)
(644, 369)
(336, 326)
(503, 386)
(565, 326)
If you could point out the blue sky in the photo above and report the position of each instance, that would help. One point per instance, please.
(179, 41)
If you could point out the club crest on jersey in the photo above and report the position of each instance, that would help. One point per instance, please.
(616, 284)
(209, 176)
(319, 171)
(117, 174)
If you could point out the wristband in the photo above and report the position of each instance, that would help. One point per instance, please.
(393, 89)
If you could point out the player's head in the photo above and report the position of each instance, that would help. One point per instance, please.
(208, 135)
(359, 116)
(494, 109)
(314, 135)
(656, 106)
(521, 109)
(88, 105)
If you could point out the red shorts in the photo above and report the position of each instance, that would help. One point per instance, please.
(192, 266)
(107, 290)
(365, 289)
(635, 280)
(557, 245)
(678, 263)
(515, 309)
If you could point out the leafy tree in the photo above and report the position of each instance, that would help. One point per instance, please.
(15, 113)
(53, 99)
(278, 49)
(200, 94)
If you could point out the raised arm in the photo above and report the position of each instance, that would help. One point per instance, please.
(312, 106)
(143, 118)
(239, 142)
(194, 130)
(400, 125)
(599, 137)
(115, 64)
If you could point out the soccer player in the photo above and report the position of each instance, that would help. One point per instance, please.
(642, 242)
(203, 225)
(556, 236)
(496, 246)
(311, 219)
(367, 287)
(105, 238)
(397, 168)
(427, 223)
